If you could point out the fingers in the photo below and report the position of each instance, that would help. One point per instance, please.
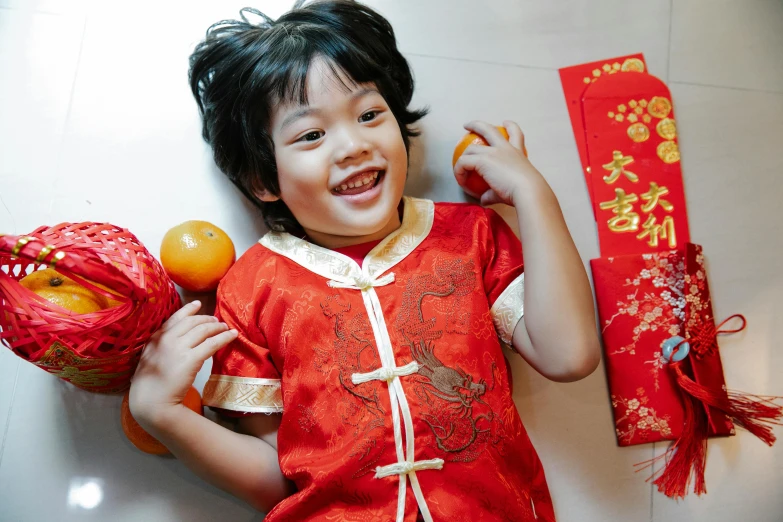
(188, 324)
(186, 311)
(515, 135)
(486, 131)
(207, 349)
(466, 164)
(201, 332)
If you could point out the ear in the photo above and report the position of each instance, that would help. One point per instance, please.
(266, 196)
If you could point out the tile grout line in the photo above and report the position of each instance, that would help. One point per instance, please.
(58, 164)
(10, 411)
(505, 64)
(669, 43)
(744, 89)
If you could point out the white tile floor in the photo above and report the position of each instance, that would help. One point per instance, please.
(97, 123)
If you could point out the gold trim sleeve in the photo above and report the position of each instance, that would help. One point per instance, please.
(508, 309)
(243, 394)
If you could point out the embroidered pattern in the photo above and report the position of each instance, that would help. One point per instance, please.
(662, 309)
(452, 399)
(360, 408)
(243, 394)
(416, 225)
(697, 294)
(638, 421)
(86, 373)
(455, 427)
(508, 309)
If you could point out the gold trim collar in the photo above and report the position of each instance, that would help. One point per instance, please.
(417, 218)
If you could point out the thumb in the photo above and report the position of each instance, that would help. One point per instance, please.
(490, 197)
(208, 348)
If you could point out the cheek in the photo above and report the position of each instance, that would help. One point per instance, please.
(394, 144)
(299, 173)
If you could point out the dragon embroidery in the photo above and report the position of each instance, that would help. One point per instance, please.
(353, 352)
(452, 400)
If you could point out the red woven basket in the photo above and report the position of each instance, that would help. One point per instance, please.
(96, 351)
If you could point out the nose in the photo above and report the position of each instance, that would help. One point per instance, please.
(352, 143)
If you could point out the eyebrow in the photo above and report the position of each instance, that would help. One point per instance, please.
(307, 111)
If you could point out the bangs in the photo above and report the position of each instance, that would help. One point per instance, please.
(286, 82)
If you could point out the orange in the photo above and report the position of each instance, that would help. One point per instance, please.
(64, 291)
(143, 440)
(196, 255)
(474, 183)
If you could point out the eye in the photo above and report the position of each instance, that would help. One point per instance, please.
(372, 114)
(311, 136)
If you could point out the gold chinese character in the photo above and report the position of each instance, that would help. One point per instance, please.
(616, 166)
(625, 220)
(663, 231)
(652, 197)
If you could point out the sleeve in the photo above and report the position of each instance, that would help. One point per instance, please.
(504, 278)
(244, 377)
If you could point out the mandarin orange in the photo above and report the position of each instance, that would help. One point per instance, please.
(196, 255)
(64, 291)
(474, 183)
(143, 440)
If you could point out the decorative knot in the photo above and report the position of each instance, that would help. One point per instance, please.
(403, 468)
(363, 282)
(704, 338)
(385, 374)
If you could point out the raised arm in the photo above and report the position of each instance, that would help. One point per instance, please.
(557, 334)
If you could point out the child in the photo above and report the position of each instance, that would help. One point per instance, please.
(357, 343)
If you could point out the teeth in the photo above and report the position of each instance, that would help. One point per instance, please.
(359, 182)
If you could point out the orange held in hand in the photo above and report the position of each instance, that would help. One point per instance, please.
(143, 440)
(474, 183)
(65, 292)
(196, 255)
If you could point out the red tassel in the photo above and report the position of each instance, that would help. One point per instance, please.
(752, 412)
(687, 456)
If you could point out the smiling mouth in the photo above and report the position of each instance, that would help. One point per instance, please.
(360, 184)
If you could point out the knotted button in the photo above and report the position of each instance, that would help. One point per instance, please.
(363, 282)
(405, 467)
(385, 374)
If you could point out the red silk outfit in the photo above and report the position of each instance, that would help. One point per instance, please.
(390, 377)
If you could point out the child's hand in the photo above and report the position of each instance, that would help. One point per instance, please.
(171, 359)
(503, 165)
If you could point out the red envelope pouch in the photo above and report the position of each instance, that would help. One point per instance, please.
(644, 300)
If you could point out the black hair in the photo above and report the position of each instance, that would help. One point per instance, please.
(241, 70)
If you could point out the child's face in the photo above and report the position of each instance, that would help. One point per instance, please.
(320, 153)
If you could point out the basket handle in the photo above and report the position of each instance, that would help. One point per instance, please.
(83, 265)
